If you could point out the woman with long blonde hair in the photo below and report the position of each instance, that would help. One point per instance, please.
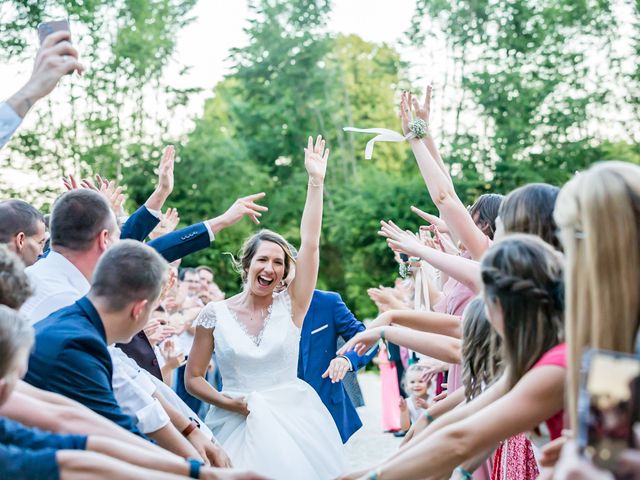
(598, 213)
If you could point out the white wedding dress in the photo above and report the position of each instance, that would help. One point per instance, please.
(289, 433)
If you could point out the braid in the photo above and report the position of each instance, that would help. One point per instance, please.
(506, 284)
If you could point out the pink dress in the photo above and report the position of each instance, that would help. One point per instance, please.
(390, 394)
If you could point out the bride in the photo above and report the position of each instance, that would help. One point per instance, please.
(267, 419)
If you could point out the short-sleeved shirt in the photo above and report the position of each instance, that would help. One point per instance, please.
(556, 356)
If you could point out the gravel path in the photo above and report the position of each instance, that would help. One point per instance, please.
(369, 445)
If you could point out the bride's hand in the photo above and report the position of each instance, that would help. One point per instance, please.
(238, 405)
(315, 160)
(362, 342)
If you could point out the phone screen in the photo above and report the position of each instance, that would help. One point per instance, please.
(608, 405)
(47, 28)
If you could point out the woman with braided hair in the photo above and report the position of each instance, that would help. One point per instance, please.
(522, 289)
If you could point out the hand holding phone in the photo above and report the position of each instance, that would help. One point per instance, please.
(47, 28)
(608, 406)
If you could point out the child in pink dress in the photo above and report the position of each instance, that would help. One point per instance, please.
(390, 392)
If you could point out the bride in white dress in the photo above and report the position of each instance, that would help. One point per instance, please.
(267, 419)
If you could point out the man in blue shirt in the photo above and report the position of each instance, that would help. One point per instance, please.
(32, 454)
(70, 356)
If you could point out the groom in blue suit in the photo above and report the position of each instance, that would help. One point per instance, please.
(328, 319)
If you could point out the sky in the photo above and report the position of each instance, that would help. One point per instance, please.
(204, 46)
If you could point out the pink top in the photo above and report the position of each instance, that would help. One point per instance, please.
(556, 356)
(455, 297)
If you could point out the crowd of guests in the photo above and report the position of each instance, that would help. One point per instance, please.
(499, 303)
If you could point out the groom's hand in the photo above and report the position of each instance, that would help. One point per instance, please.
(337, 370)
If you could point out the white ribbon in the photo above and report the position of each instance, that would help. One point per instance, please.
(384, 135)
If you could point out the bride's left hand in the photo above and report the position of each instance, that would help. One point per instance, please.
(362, 342)
(315, 160)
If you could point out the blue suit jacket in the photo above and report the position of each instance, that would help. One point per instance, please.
(328, 319)
(70, 357)
(171, 246)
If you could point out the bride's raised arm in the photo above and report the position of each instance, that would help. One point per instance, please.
(308, 260)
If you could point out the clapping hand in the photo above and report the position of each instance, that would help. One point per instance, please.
(399, 240)
(362, 342)
(168, 223)
(172, 358)
(111, 192)
(315, 160)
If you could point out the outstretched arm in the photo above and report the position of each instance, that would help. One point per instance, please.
(440, 347)
(308, 261)
(441, 189)
(462, 269)
(538, 396)
(431, 322)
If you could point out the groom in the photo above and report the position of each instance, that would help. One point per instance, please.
(328, 319)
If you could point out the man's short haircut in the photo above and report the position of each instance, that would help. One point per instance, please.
(183, 272)
(18, 216)
(77, 218)
(15, 334)
(14, 283)
(127, 272)
(206, 269)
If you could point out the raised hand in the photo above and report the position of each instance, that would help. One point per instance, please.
(165, 171)
(337, 370)
(423, 111)
(109, 190)
(56, 58)
(245, 206)
(405, 111)
(315, 160)
(399, 240)
(432, 219)
(362, 342)
(168, 223)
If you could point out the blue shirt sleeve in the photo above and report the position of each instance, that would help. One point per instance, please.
(181, 243)
(30, 454)
(83, 377)
(139, 225)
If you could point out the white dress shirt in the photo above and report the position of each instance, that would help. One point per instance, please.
(9, 122)
(134, 391)
(57, 283)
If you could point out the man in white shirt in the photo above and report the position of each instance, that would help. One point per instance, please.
(56, 58)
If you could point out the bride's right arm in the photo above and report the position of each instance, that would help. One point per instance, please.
(195, 374)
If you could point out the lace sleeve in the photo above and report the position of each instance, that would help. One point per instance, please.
(207, 317)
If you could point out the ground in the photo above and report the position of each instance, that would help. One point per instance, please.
(369, 445)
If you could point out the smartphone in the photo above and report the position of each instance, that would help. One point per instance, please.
(608, 405)
(47, 28)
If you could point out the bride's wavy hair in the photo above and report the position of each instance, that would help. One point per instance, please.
(524, 274)
(251, 245)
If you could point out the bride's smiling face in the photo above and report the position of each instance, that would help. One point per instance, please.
(266, 269)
